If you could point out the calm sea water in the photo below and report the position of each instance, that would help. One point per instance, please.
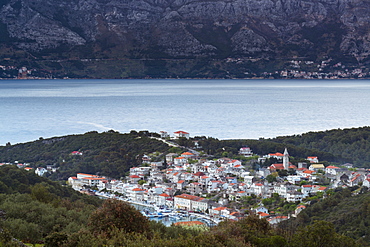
(224, 109)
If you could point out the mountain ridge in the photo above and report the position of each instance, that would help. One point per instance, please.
(184, 31)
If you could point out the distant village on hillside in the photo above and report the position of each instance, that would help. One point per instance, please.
(219, 188)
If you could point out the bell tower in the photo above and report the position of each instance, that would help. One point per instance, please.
(286, 159)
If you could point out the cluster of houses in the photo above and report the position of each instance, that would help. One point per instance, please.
(208, 186)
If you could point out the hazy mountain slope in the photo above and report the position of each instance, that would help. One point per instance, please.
(192, 28)
(184, 29)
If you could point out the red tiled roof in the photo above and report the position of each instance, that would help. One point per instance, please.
(276, 154)
(309, 172)
(220, 208)
(138, 189)
(187, 196)
(277, 166)
(164, 194)
(187, 153)
(332, 167)
(93, 178)
(181, 132)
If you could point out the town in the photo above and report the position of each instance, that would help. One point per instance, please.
(292, 69)
(223, 188)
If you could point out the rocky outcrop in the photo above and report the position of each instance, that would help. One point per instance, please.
(189, 28)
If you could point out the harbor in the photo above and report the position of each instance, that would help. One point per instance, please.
(165, 215)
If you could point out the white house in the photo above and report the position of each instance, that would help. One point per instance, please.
(40, 171)
(294, 196)
(313, 159)
(278, 156)
(333, 170)
(257, 189)
(164, 134)
(299, 209)
(179, 134)
(316, 167)
(160, 200)
(366, 182)
(246, 151)
(180, 160)
(185, 201)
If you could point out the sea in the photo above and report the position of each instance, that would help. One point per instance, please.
(223, 109)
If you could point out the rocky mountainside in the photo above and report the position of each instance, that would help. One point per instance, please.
(187, 29)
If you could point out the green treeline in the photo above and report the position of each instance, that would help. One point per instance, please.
(338, 146)
(110, 153)
(351, 145)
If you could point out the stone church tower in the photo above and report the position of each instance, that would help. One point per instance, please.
(286, 159)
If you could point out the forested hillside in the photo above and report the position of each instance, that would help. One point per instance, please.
(353, 145)
(32, 207)
(112, 153)
(349, 213)
(338, 146)
(261, 147)
(109, 153)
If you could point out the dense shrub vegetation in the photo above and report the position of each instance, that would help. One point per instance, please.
(109, 153)
(349, 214)
(37, 210)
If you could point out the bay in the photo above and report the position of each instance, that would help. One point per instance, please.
(224, 109)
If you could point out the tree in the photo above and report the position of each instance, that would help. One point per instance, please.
(56, 239)
(141, 182)
(270, 178)
(119, 215)
(320, 234)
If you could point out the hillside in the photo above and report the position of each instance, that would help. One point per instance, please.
(351, 145)
(33, 207)
(337, 146)
(173, 38)
(348, 213)
(112, 154)
(109, 153)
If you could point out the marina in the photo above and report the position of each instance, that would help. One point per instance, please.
(165, 215)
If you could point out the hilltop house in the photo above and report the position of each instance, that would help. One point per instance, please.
(180, 134)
